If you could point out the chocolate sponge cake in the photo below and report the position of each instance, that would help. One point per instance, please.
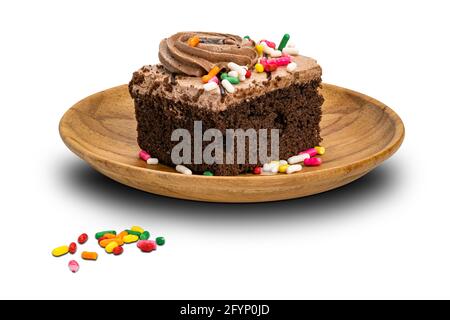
(274, 89)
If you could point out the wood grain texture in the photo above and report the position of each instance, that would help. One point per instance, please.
(359, 133)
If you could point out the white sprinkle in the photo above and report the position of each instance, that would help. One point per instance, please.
(275, 54)
(274, 167)
(269, 50)
(233, 73)
(267, 167)
(242, 71)
(266, 48)
(294, 168)
(298, 158)
(210, 86)
(271, 167)
(242, 78)
(152, 161)
(291, 51)
(283, 162)
(234, 67)
(291, 67)
(228, 86)
(182, 169)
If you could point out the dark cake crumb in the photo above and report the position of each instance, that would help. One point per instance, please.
(138, 78)
(168, 86)
(173, 79)
(197, 96)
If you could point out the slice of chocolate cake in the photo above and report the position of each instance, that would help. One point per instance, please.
(271, 90)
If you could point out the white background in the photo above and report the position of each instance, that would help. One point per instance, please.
(384, 236)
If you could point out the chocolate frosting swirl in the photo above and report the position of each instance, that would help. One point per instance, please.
(214, 49)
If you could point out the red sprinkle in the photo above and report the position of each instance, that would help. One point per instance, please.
(257, 170)
(146, 245)
(248, 74)
(313, 162)
(73, 248)
(269, 65)
(83, 238)
(117, 251)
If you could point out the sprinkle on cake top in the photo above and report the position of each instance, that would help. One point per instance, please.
(216, 70)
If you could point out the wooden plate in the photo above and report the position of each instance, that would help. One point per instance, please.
(359, 133)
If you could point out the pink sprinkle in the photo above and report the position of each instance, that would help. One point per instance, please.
(269, 43)
(74, 266)
(313, 162)
(285, 60)
(312, 152)
(214, 79)
(144, 155)
(282, 61)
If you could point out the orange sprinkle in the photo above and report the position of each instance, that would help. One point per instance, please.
(105, 242)
(194, 41)
(212, 73)
(89, 255)
(122, 234)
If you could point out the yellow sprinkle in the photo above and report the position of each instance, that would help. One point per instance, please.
(283, 168)
(259, 68)
(137, 229)
(60, 251)
(259, 48)
(130, 238)
(320, 150)
(110, 247)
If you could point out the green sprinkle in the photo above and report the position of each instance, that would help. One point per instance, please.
(144, 235)
(284, 42)
(160, 241)
(98, 235)
(136, 233)
(233, 80)
(208, 173)
(223, 76)
(247, 37)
